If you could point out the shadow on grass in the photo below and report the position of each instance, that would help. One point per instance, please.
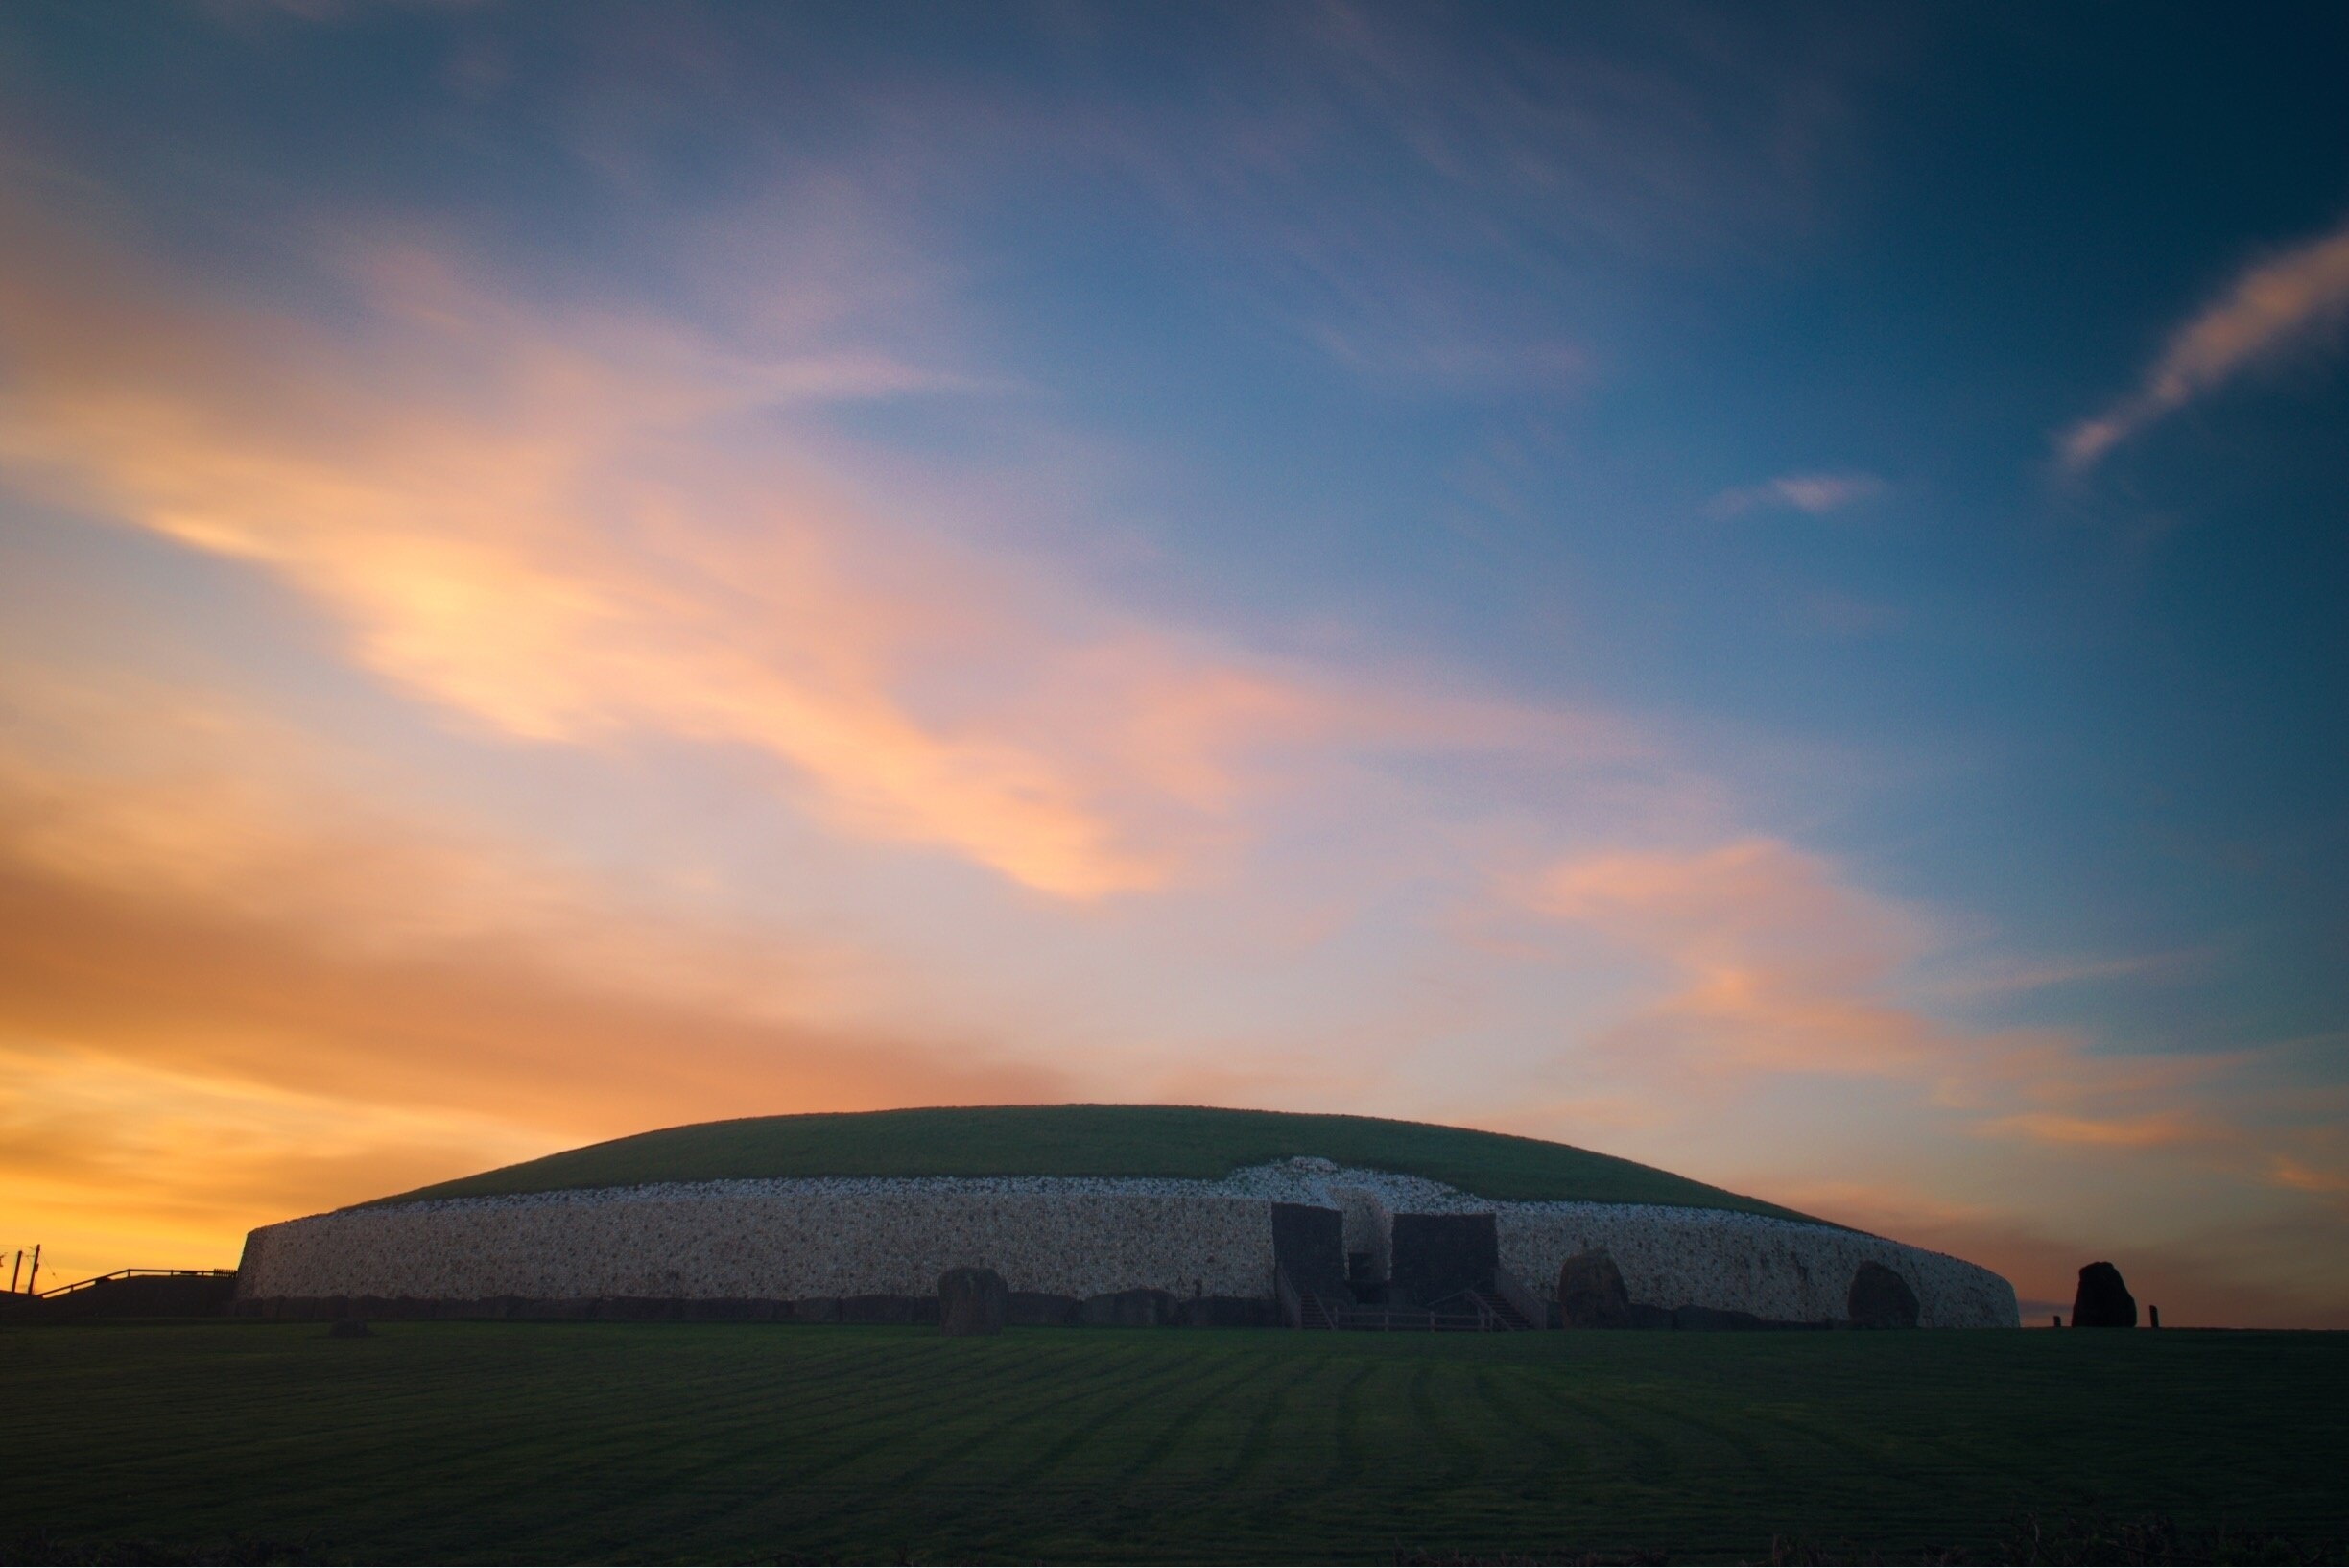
(2030, 1539)
(41, 1547)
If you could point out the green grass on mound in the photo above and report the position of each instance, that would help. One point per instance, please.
(654, 1442)
(1095, 1141)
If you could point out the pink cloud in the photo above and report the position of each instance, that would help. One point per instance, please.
(2272, 309)
(1772, 962)
(561, 531)
(1814, 493)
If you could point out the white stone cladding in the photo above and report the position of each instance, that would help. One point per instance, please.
(784, 1240)
(798, 1239)
(1777, 1269)
(1369, 1226)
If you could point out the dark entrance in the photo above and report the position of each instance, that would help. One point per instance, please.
(1309, 1246)
(1437, 1256)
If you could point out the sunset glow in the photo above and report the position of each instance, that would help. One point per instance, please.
(1736, 588)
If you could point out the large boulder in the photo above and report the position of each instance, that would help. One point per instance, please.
(1591, 1292)
(2103, 1302)
(972, 1302)
(1880, 1298)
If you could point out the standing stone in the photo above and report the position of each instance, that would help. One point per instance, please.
(1591, 1292)
(2103, 1302)
(972, 1302)
(1880, 1298)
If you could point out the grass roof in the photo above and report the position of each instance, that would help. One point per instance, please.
(1094, 1141)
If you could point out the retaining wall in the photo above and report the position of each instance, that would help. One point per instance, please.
(1778, 1270)
(830, 1240)
(735, 1240)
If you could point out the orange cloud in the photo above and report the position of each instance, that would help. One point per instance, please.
(576, 530)
(2270, 309)
(2159, 1130)
(2288, 1172)
(1775, 965)
(1773, 958)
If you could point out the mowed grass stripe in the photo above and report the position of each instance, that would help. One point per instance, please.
(1205, 1397)
(1108, 1369)
(686, 1465)
(1082, 1469)
(448, 1442)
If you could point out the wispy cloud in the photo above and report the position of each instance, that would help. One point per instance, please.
(2289, 303)
(1772, 963)
(1817, 495)
(578, 530)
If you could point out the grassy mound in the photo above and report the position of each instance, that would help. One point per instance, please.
(1094, 1141)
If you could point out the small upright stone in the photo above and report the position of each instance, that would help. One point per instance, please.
(972, 1302)
(1591, 1292)
(2103, 1301)
(1880, 1298)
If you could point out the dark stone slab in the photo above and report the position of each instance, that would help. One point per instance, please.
(1591, 1292)
(1880, 1298)
(887, 1308)
(1713, 1320)
(1440, 1256)
(1309, 1244)
(1041, 1309)
(1127, 1309)
(2103, 1301)
(1229, 1312)
(972, 1302)
(742, 1310)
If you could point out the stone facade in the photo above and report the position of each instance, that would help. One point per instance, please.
(842, 1239)
(768, 1241)
(1778, 1270)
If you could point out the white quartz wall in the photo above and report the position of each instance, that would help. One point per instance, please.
(1775, 1269)
(796, 1239)
(1369, 1226)
(767, 1241)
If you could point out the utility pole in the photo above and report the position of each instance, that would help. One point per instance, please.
(32, 1285)
(16, 1271)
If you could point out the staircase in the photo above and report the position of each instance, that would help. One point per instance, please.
(1505, 1308)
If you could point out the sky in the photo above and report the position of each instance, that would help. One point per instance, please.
(1754, 587)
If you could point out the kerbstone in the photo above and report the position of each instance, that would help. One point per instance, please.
(1591, 1292)
(1880, 1298)
(973, 1301)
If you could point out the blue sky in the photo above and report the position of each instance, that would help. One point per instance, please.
(1751, 586)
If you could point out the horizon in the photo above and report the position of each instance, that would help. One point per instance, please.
(1741, 588)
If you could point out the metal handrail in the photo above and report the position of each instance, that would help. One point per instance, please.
(1292, 1309)
(134, 1274)
(1526, 1305)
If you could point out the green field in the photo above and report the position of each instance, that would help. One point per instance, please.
(1095, 1141)
(498, 1441)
